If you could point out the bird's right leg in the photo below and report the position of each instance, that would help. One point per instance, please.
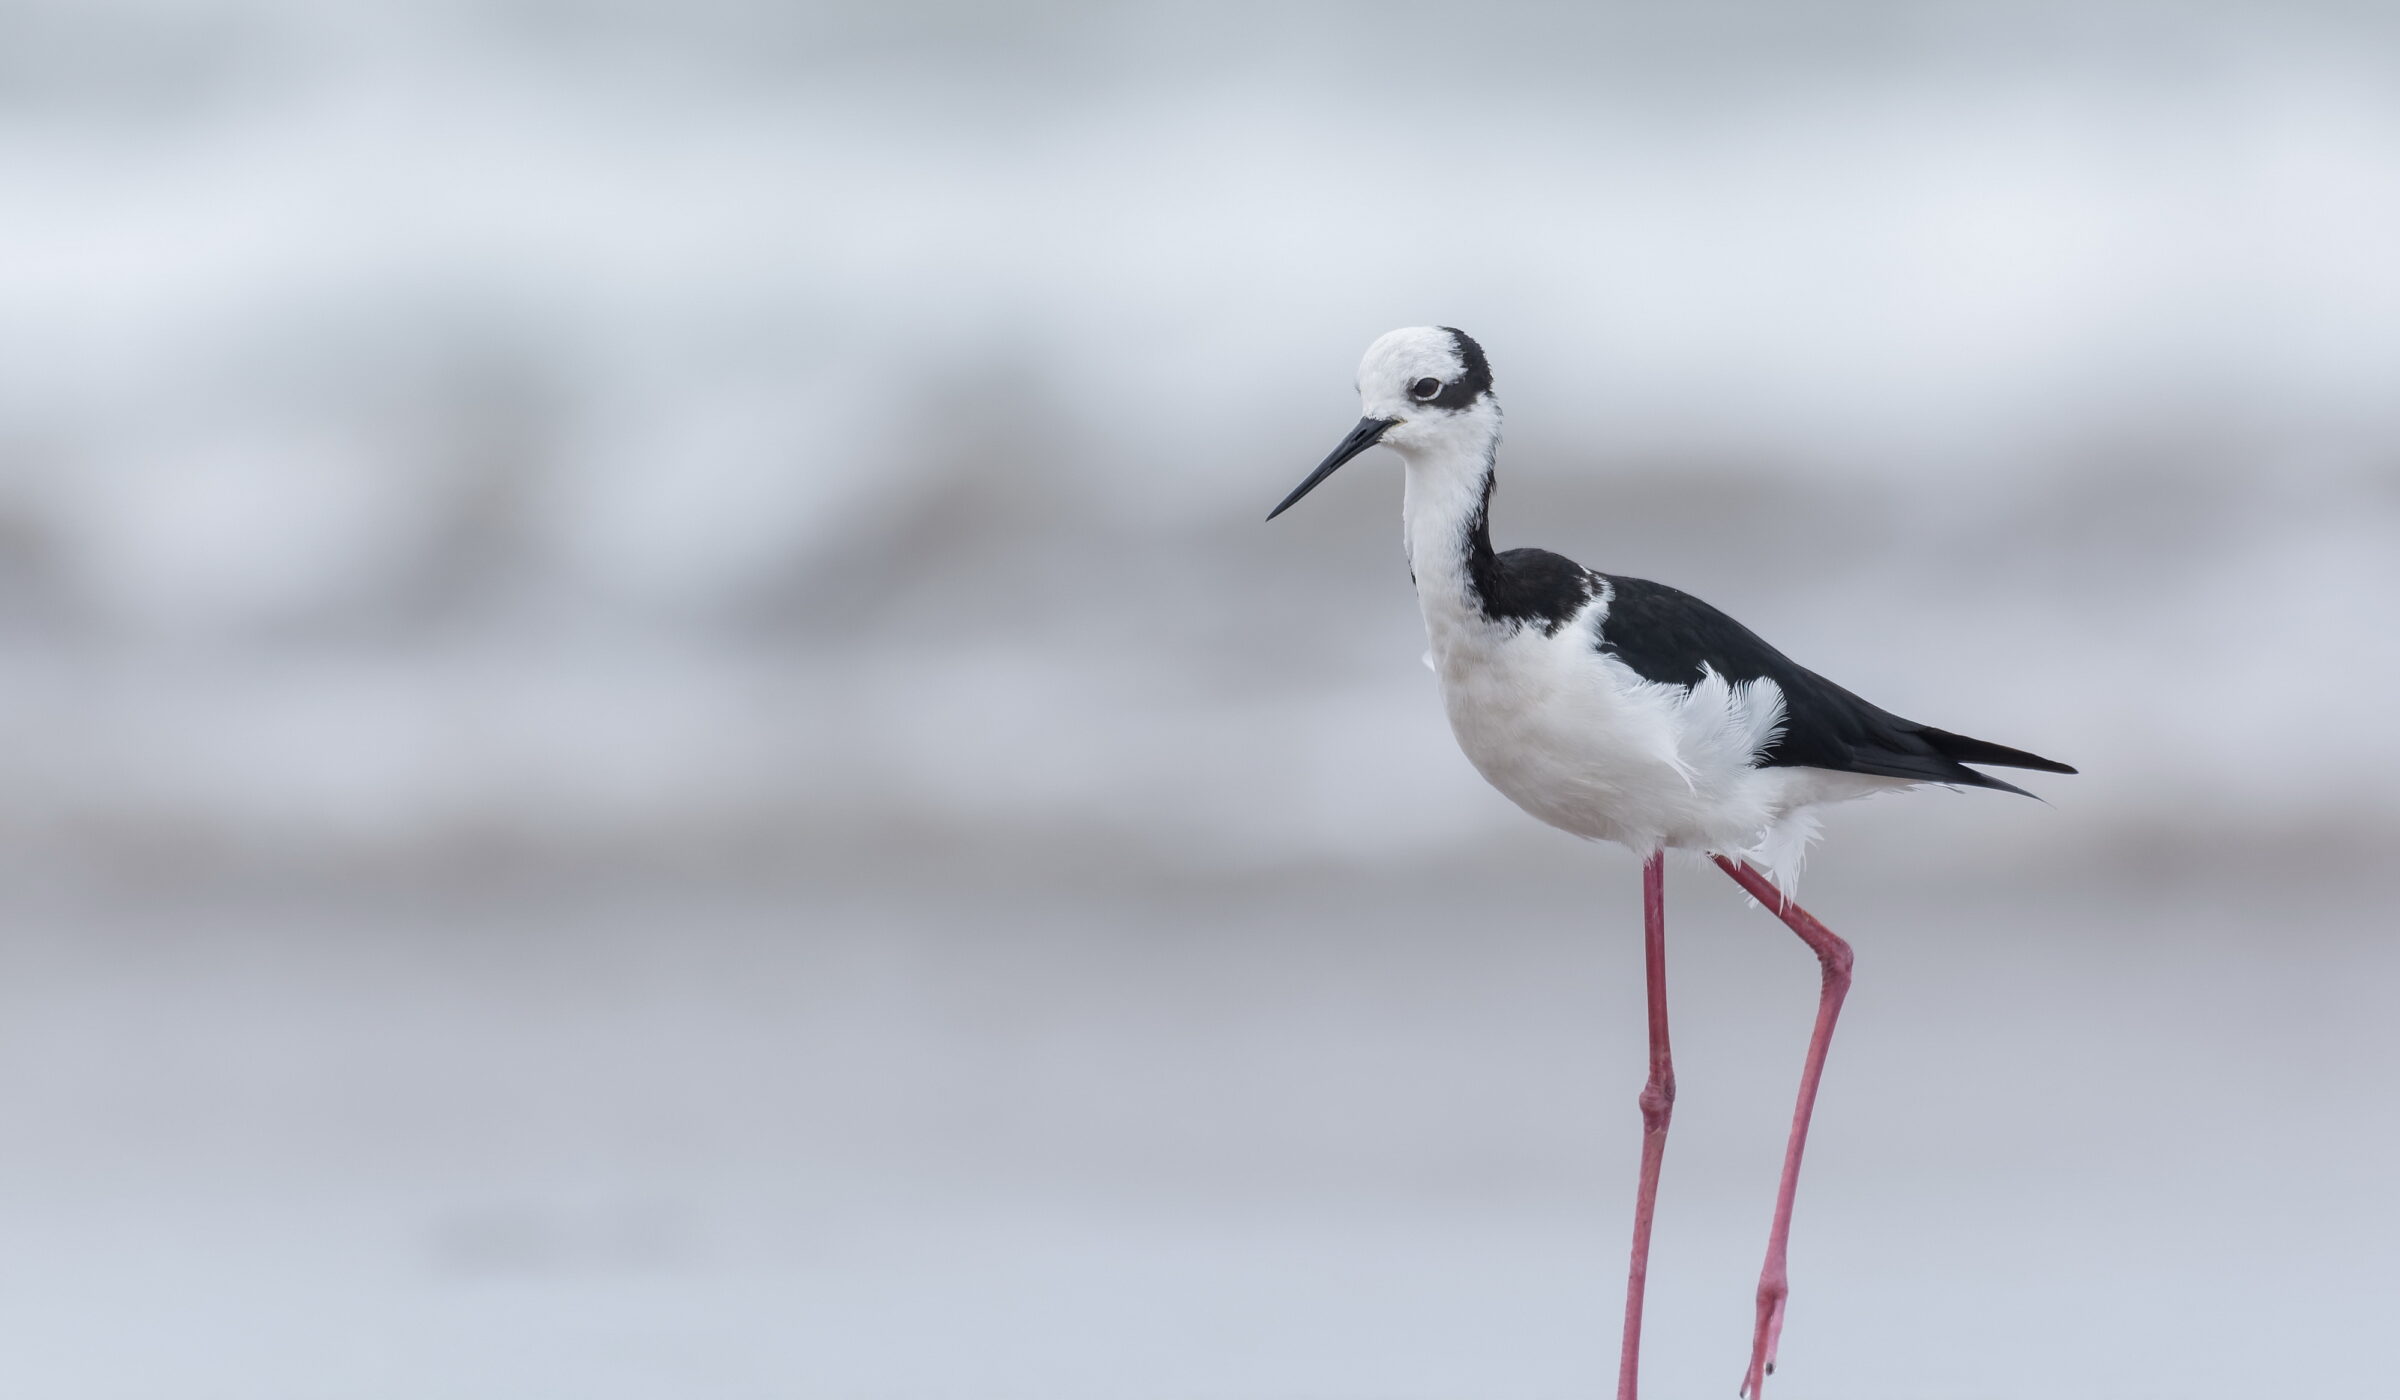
(1658, 1105)
(1833, 958)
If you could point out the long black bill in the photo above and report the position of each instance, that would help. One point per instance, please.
(1361, 438)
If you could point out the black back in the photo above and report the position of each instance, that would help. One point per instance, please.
(1667, 636)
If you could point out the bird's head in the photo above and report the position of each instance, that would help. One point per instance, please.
(1422, 390)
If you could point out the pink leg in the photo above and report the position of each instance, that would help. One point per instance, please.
(1833, 955)
(1658, 1105)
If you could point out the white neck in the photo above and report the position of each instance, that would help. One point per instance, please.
(1442, 525)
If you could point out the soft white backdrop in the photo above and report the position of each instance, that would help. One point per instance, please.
(633, 631)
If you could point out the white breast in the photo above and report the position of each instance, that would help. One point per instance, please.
(1573, 736)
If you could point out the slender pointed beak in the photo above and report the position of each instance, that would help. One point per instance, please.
(1362, 437)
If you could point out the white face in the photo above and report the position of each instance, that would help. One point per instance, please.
(1420, 378)
(1425, 392)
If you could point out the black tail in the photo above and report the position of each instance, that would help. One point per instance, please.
(1961, 749)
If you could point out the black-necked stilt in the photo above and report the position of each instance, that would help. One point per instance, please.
(1623, 710)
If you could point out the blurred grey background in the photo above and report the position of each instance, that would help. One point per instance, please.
(653, 747)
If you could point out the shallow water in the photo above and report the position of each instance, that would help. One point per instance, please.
(1351, 1133)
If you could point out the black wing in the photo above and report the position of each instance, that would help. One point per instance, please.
(1666, 635)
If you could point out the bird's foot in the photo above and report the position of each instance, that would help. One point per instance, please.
(1769, 1332)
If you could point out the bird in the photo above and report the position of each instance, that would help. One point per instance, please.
(1626, 711)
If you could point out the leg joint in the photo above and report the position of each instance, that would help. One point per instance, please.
(1658, 1100)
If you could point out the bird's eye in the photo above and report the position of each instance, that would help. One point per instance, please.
(1425, 388)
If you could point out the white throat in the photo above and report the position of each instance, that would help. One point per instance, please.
(1441, 511)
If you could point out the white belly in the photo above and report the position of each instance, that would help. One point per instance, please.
(1573, 736)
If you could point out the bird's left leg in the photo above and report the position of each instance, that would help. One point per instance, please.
(1833, 955)
(1658, 1106)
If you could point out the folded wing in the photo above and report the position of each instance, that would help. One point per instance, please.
(1670, 637)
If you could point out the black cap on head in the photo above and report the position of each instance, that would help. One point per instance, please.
(1475, 382)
